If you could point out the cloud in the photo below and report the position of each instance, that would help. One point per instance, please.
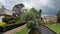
(28, 3)
(8, 3)
(48, 6)
(1, 0)
(38, 3)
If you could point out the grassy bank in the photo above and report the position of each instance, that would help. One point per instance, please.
(23, 31)
(55, 28)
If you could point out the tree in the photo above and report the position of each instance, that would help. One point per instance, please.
(17, 8)
(29, 17)
(39, 17)
(26, 17)
(40, 11)
(58, 14)
(33, 10)
(58, 17)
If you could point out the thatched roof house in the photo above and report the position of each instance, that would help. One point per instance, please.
(5, 12)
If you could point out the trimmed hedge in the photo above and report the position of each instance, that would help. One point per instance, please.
(10, 26)
(2, 24)
(9, 20)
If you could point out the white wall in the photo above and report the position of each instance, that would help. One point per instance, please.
(1, 18)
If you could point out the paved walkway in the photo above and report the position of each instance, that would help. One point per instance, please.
(45, 30)
(13, 31)
(42, 30)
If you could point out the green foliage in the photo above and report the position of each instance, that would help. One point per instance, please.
(58, 14)
(40, 11)
(12, 21)
(27, 16)
(2, 24)
(7, 19)
(31, 24)
(30, 16)
(33, 10)
(9, 26)
(37, 13)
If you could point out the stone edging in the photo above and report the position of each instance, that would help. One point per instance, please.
(50, 29)
(28, 31)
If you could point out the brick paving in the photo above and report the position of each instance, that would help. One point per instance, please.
(13, 31)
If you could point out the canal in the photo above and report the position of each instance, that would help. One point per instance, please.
(41, 30)
(34, 31)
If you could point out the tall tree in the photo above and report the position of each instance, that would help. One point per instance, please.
(39, 17)
(58, 17)
(33, 10)
(29, 17)
(17, 8)
(40, 11)
(58, 14)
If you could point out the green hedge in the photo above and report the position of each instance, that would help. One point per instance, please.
(10, 26)
(2, 24)
(8, 20)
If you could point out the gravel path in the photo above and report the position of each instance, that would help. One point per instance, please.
(13, 31)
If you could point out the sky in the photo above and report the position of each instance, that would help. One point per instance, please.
(49, 7)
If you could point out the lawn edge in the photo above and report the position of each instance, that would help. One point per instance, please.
(28, 31)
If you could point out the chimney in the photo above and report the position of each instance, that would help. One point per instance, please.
(3, 7)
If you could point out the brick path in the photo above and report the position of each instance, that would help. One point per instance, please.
(13, 31)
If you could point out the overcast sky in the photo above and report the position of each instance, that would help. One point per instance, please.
(49, 7)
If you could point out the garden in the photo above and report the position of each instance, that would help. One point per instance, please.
(32, 18)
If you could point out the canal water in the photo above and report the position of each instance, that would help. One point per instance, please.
(34, 31)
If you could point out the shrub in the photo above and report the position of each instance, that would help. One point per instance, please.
(10, 26)
(2, 24)
(12, 21)
(8, 19)
(31, 24)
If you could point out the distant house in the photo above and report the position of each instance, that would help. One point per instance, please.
(5, 12)
(49, 19)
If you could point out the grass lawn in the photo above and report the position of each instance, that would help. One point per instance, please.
(55, 28)
(23, 31)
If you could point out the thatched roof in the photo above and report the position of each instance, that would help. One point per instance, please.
(5, 12)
